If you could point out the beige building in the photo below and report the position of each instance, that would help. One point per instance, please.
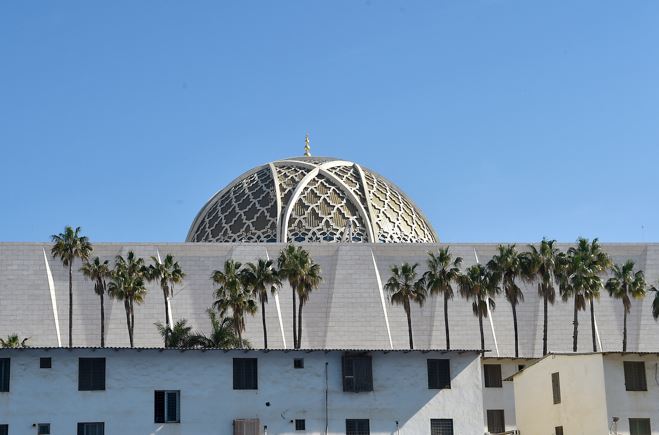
(589, 394)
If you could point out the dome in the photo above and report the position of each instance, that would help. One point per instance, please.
(311, 199)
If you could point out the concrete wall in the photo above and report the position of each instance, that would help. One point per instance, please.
(631, 404)
(209, 404)
(582, 410)
(346, 311)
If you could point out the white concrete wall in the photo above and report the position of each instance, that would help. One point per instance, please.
(209, 404)
(582, 410)
(631, 404)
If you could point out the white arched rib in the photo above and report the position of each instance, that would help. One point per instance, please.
(367, 195)
(382, 299)
(275, 180)
(296, 194)
(53, 299)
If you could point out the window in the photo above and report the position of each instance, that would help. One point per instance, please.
(300, 424)
(441, 426)
(556, 387)
(298, 363)
(359, 426)
(91, 374)
(167, 407)
(558, 430)
(520, 367)
(635, 376)
(91, 428)
(492, 375)
(639, 426)
(495, 421)
(45, 363)
(4, 429)
(249, 426)
(439, 374)
(245, 374)
(4, 375)
(357, 373)
(43, 429)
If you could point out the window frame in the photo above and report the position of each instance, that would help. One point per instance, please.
(503, 420)
(358, 430)
(298, 363)
(240, 378)
(558, 430)
(5, 375)
(639, 420)
(164, 412)
(45, 362)
(556, 387)
(82, 429)
(487, 377)
(633, 374)
(4, 429)
(357, 379)
(300, 424)
(440, 421)
(435, 369)
(91, 384)
(43, 426)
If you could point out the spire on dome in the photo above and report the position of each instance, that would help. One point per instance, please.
(307, 147)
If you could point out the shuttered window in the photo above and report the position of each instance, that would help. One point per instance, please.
(558, 430)
(300, 424)
(167, 406)
(91, 374)
(639, 426)
(635, 376)
(441, 426)
(556, 387)
(45, 363)
(97, 428)
(4, 429)
(358, 426)
(495, 421)
(4, 374)
(250, 426)
(439, 374)
(245, 374)
(357, 373)
(43, 429)
(492, 375)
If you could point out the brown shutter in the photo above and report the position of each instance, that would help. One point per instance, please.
(159, 407)
(556, 387)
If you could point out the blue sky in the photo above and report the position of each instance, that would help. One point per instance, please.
(503, 120)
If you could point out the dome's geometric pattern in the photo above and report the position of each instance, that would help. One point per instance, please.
(311, 199)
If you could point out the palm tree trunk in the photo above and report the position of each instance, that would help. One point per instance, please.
(299, 325)
(592, 324)
(624, 330)
(514, 307)
(71, 303)
(409, 324)
(265, 330)
(168, 321)
(480, 325)
(448, 335)
(294, 321)
(575, 322)
(132, 323)
(102, 322)
(544, 324)
(127, 308)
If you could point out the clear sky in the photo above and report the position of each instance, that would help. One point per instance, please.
(503, 120)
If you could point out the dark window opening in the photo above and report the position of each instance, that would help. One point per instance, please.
(556, 387)
(356, 426)
(439, 374)
(558, 430)
(245, 374)
(4, 429)
(167, 406)
(520, 367)
(4, 375)
(441, 426)
(492, 375)
(495, 421)
(45, 363)
(635, 376)
(357, 373)
(43, 429)
(91, 374)
(97, 428)
(300, 424)
(639, 426)
(298, 363)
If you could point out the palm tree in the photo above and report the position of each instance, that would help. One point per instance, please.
(295, 265)
(167, 273)
(128, 284)
(68, 246)
(178, 336)
(443, 270)
(624, 285)
(477, 285)
(506, 267)
(231, 295)
(13, 341)
(98, 272)
(581, 279)
(261, 278)
(404, 288)
(655, 301)
(542, 265)
(223, 334)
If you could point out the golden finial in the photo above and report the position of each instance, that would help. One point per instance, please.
(307, 147)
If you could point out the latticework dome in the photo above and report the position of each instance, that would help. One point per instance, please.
(311, 199)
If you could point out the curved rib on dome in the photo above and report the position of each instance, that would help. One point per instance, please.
(311, 199)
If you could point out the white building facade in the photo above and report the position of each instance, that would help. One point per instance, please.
(169, 391)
